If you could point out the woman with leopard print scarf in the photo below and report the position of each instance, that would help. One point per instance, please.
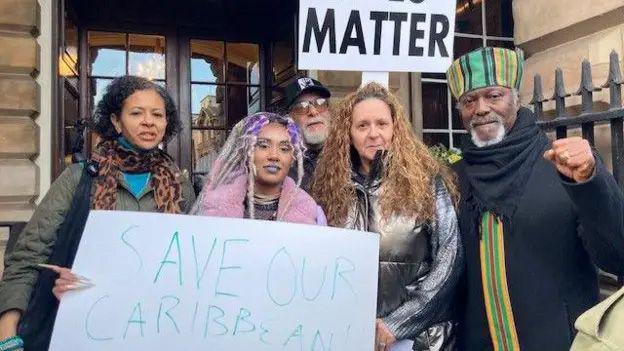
(127, 172)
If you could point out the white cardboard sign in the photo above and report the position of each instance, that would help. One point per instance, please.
(376, 35)
(174, 282)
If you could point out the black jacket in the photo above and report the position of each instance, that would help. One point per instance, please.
(310, 158)
(557, 234)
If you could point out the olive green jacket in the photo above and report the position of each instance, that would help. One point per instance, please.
(34, 244)
(601, 328)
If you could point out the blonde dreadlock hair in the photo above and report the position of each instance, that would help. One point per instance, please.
(409, 168)
(237, 156)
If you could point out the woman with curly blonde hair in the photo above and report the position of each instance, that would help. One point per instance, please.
(374, 175)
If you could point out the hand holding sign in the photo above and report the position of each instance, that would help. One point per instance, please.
(184, 282)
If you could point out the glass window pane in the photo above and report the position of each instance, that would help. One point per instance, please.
(459, 140)
(107, 54)
(207, 105)
(501, 43)
(206, 147)
(71, 40)
(243, 63)
(465, 45)
(435, 105)
(207, 61)
(457, 123)
(283, 59)
(434, 75)
(468, 17)
(242, 101)
(499, 18)
(67, 66)
(146, 56)
(432, 139)
(98, 87)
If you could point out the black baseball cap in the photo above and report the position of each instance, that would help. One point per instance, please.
(304, 85)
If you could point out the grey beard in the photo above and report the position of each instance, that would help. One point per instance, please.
(500, 135)
(314, 138)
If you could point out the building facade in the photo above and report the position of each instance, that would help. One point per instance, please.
(222, 60)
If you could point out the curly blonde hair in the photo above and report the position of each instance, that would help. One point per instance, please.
(409, 172)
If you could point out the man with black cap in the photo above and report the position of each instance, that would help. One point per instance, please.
(308, 105)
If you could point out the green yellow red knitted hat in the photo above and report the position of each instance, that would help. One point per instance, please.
(486, 67)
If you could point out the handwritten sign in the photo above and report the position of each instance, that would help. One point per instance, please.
(173, 282)
(376, 35)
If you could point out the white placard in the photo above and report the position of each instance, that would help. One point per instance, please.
(173, 282)
(376, 35)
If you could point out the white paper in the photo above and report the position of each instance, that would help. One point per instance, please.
(418, 45)
(173, 282)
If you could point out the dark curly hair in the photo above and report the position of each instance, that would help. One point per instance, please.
(112, 102)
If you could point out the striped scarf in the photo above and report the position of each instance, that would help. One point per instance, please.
(495, 289)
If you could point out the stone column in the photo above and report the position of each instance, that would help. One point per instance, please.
(19, 107)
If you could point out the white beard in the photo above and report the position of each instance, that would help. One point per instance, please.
(500, 135)
(314, 138)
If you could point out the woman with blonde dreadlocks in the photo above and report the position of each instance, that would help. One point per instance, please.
(250, 176)
(374, 175)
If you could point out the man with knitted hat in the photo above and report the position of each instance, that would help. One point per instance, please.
(535, 216)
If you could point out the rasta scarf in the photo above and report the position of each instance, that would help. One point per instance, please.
(113, 158)
(497, 176)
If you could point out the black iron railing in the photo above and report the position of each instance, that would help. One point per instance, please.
(587, 119)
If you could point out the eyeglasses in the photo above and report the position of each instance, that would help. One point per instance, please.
(303, 107)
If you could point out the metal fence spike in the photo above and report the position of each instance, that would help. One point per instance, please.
(559, 86)
(587, 83)
(615, 73)
(538, 97)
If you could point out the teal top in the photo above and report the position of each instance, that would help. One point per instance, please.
(137, 182)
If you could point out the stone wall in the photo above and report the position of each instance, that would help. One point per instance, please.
(19, 107)
(562, 33)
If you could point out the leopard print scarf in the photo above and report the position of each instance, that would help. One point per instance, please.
(113, 159)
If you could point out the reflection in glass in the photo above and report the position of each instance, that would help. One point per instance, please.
(468, 17)
(283, 59)
(459, 140)
(457, 123)
(207, 106)
(207, 61)
(146, 56)
(465, 45)
(434, 75)
(98, 87)
(107, 54)
(435, 105)
(243, 63)
(206, 145)
(71, 41)
(242, 101)
(432, 139)
(501, 44)
(499, 18)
